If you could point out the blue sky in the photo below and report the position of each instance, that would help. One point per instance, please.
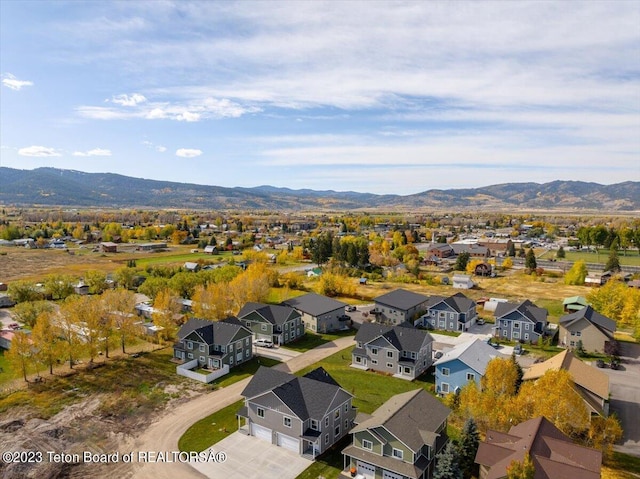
(375, 97)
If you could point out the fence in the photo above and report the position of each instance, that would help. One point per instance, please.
(185, 370)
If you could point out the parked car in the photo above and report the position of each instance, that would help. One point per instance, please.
(350, 309)
(615, 363)
(518, 349)
(264, 343)
(480, 322)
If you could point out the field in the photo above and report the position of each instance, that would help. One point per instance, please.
(630, 258)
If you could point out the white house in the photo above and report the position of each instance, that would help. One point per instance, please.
(462, 281)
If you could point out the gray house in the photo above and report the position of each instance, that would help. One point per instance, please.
(305, 414)
(280, 324)
(402, 351)
(399, 440)
(319, 313)
(455, 313)
(214, 344)
(399, 306)
(524, 321)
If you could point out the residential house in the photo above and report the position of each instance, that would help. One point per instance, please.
(455, 313)
(306, 415)
(151, 246)
(211, 249)
(589, 382)
(319, 313)
(597, 279)
(474, 250)
(462, 281)
(440, 250)
(496, 246)
(214, 343)
(483, 269)
(399, 306)
(465, 362)
(399, 440)
(574, 303)
(6, 336)
(191, 266)
(593, 329)
(109, 247)
(520, 322)
(81, 288)
(402, 351)
(554, 455)
(280, 324)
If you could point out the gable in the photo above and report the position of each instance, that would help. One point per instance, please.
(195, 337)
(255, 317)
(269, 400)
(381, 342)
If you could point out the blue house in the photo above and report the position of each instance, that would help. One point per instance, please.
(466, 362)
(455, 313)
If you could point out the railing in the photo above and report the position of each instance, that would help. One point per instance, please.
(186, 371)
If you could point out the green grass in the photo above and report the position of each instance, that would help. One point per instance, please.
(445, 332)
(328, 465)
(180, 258)
(621, 466)
(631, 259)
(313, 340)
(210, 430)
(245, 370)
(554, 306)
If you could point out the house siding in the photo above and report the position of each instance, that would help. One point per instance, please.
(442, 316)
(592, 338)
(507, 327)
(392, 315)
(457, 377)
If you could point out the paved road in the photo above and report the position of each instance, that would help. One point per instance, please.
(163, 435)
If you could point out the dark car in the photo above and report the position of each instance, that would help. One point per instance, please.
(350, 309)
(615, 363)
(518, 349)
(600, 363)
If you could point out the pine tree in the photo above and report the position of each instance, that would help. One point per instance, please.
(448, 464)
(511, 250)
(561, 254)
(613, 263)
(469, 441)
(461, 261)
(530, 260)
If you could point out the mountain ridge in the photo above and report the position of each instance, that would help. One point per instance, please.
(57, 187)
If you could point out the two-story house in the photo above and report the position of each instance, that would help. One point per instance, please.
(399, 440)
(520, 322)
(402, 351)
(399, 306)
(280, 324)
(305, 414)
(319, 313)
(214, 343)
(465, 362)
(588, 326)
(455, 313)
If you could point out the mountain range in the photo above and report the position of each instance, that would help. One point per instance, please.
(57, 187)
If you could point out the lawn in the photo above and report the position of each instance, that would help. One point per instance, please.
(621, 466)
(313, 340)
(247, 369)
(631, 258)
(180, 258)
(211, 429)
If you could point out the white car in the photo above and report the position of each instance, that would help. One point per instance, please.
(264, 343)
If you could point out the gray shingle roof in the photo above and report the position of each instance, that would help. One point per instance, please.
(590, 315)
(409, 416)
(401, 299)
(526, 308)
(475, 353)
(218, 332)
(191, 325)
(275, 314)
(458, 302)
(314, 304)
(404, 337)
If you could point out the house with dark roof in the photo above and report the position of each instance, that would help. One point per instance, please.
(593, 329)
(474, 250)
(440, 250)
(319, 313)
(280, 324)
(402, 351)
(465, 362)
(589, 382)
(399, 306)
(520, 322)
(400, 440)
(306, 415)
(554, 455)
(213, 344)
(455, 313)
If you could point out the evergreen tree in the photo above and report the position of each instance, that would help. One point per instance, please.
(448, 464)
(468, 447)
(613, 263)
(561, 254)
(511, 250)
(461, 261)
(519, 371)
(530, 260)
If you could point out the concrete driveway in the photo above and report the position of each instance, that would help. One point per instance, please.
(282, 354)
(251, 458)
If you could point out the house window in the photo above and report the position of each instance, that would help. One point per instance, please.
(326, 421)
(407, 370)
(202, 359)
(397, 453)
(190, 355)
(516, 335)
(526, 326)
(286, 421)
(360, 344)
(573, 333)
(374, 350)
(578, 333)
(286, 336)
(263, 327)
(314, 425)
(433, 322)
(413, 354)
(189, 345)
(516, 325)
(326, 438)
(346, 408)
(358, 359)
(526, 335)
(390, 354)
(367, 444)
(336, 415)
(202, 348)
(230, 347)
(471, 377)
(230, 360)
(346, 424)
(504, 333)
(445, 371)
(374, 361)
(444, 387)
(222, 349)
(247, 353)
(246, 342)
(572, 344)
(390, 365)
(260, 412)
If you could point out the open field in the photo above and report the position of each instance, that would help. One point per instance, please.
(630, 258)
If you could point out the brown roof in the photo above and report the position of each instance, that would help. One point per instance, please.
(583, 375)
(553, 454)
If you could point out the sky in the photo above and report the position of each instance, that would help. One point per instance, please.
(378, 97)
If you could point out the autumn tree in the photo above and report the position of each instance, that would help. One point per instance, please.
(507, 263)
(59, 286)
(603, 433)
(471, 265)
(124, 277)
(96, 280)
(46, 339)
(331, 284)
(166, 310)
(69, 328)
(521, 470)
(119, 304)
(21, 353)
(577, 273)
(28, 312)
(22, 291)
(153, 285)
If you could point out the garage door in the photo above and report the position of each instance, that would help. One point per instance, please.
(391, 475)
(261, 432)
(289, 442)
(367, 470)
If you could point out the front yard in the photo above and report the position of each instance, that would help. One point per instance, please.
(313, 340)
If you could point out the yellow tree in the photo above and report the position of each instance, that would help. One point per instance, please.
(166, 313)
(46, 339)
(70, 327)
(521, 470)
(21, 353)
(118, 304)
(500, 378)
(471, 266)
(603, 433)
(211, 301)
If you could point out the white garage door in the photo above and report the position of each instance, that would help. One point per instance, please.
(261, 432)
(289, 442)
(390, 475)
(367, 470)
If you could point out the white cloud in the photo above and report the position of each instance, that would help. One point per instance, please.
(161, 149)
(158, 148)
(38, 151)
(155, 114)
(94, 152)
(188, 116)
(188, 152)
(126, 100)
(10, 81)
